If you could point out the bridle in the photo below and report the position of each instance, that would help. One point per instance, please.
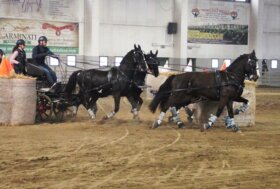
(142, 65)
(252, 64)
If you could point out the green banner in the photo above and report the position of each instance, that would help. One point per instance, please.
(56, 50)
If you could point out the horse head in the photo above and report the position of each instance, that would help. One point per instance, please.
(139, 59)
(245, 66)
(251, 67)
(153, 63)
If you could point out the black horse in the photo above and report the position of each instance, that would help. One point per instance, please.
(126, 80)
(223, 86)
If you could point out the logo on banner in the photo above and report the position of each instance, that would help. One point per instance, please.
(233, 14)
(195, 12)
(57, 29)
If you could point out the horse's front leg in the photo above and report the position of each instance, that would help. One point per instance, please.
(75, 101)
(229, 120)
(243, 107)
(135, 106)
(117, 98)
(87, 101)
(139, 103)
(92, 108)
(90, 105)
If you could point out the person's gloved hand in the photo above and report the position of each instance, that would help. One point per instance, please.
(55, 56)
(49, 53)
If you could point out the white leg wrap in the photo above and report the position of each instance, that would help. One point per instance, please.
(134, 111)
(173, 111)
(160, 117)
(244, 107)
(74, 109)
(175, 115)
(212, 119)
(231, 122)
(111, 114)
(227, 121)
(91, 113)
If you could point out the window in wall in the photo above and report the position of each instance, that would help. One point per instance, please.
(118, 60)
(215, 63)
(103, 61)
(54, 61)
(71, 60)
(274, 64)
(163, 61)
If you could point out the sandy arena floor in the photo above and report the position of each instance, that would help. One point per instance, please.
(123, 153)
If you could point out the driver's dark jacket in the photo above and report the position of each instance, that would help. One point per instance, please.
(39, 54)
(21, 58)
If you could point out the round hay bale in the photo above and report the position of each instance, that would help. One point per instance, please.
(5, 101)
(24, 101)
(204, 109)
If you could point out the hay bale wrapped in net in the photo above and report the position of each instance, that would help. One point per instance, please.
(24, 101)
(5, 101)
(18, 101)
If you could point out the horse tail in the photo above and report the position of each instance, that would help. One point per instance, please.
(162, 94)
(71, 85)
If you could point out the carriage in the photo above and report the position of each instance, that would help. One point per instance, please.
(52, 104)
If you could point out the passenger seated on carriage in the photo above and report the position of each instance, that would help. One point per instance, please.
(1, 55)
(18, 58)
(39, 54)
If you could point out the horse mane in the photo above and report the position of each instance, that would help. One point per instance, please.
(125, 59)
(237, 60)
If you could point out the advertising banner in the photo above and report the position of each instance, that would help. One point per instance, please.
(62, 10)
(216, 22)
(63, 37)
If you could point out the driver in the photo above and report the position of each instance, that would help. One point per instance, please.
(39, 54)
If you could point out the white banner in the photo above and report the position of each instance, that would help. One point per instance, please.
(62, 10)
(216, 22)
(63, 37)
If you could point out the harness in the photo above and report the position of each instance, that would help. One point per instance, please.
(229, 80)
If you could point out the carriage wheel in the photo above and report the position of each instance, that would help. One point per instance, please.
(44, 108)
(58, 112)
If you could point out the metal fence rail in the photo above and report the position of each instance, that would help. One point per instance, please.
(270, 78)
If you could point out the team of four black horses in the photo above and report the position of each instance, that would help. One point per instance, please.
(128, 80)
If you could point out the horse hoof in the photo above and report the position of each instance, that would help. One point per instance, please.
(204, 127)
(105, 118)
(235, 128)
(236, 112)
(181, 125)
(155, 125)
(228, 126)
(190, 120)
(170, 119)
(136, 117)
